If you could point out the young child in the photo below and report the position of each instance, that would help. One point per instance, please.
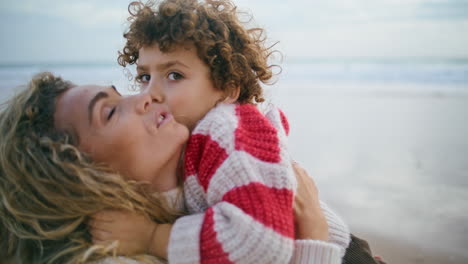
(238, 180)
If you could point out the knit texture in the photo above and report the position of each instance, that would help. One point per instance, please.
(338, 231)
(321, 252)
(239, 187)
(315, 251)
(240, 181)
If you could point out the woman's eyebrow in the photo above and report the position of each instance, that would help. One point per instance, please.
(115, 89)
(92, 103)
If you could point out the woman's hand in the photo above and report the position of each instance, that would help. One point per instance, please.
(310, 222)
(136, 233)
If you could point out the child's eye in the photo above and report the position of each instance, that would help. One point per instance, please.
(174, 76)
(143, 78)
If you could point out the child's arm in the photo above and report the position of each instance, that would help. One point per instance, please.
(311, 217)
(239, 175)
(230, 231)
(136, 233)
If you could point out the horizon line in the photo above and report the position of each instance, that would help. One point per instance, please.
(293, 60)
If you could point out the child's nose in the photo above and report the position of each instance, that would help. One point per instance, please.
(155, 92)
(143, 102)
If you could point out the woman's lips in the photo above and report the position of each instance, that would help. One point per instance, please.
(162, 118)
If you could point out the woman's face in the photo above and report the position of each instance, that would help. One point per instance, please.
(135, 135)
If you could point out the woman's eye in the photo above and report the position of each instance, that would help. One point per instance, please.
(143, 78)
(111, 113)
(174, 76)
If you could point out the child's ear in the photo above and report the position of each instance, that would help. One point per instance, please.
(232, 95)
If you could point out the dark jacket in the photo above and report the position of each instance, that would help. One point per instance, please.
(359, 252)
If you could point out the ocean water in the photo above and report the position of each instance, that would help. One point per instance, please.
(394, 71)
(448, 73)
(385, 141)
(13, 76)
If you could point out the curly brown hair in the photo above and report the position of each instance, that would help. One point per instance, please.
(236, 55)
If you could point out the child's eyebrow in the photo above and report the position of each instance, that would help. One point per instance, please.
(163, 66)
(141, 68)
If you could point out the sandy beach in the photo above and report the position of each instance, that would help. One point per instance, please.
(398, 251)
(376, 93)
(392, 159)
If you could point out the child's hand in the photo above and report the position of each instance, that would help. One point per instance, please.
(133, 231)
(310, 222)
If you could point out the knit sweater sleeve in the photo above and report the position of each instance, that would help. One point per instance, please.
(321, 252)
(240, 181)
(338, 231)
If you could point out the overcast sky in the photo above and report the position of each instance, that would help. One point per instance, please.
(87, 30)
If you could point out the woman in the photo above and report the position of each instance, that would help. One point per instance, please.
(49, 186)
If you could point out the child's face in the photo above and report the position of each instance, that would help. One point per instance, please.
(179, 78)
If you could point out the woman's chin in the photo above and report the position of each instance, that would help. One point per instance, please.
(184, 133)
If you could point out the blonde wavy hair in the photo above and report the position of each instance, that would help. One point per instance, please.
(49, 188)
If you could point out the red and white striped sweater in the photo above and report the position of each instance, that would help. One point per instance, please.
(239, 187)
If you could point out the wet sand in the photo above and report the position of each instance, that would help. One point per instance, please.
(391, 159)
(401, 252)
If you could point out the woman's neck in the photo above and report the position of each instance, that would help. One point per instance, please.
(167, 178)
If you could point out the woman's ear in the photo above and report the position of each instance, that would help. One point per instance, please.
(232, 95)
